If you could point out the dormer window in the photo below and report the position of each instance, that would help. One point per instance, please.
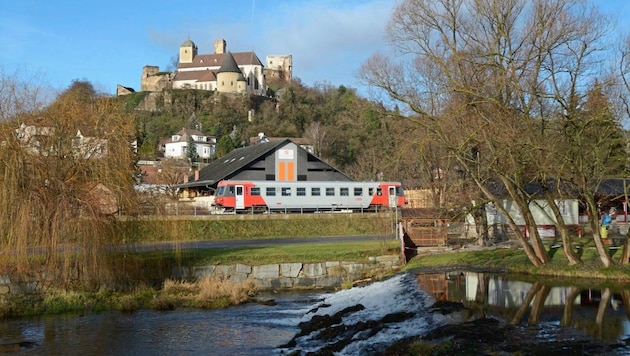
(175, 138)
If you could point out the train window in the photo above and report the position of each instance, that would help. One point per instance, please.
(344, 192)
(379, 191)
(271, 191)
(286, 191)
(358, 192)
(300, 192)
(231, 190)
(221, 191)
(255, 191)
(315, 192)
(370, 191)
(330, 192)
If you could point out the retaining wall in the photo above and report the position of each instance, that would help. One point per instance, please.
(274, 276)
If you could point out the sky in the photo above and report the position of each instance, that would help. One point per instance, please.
(108, 43)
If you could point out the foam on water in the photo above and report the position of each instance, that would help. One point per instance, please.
(400, 293)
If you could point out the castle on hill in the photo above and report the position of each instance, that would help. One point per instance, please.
(222, 71)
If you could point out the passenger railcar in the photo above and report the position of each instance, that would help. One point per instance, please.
(312, 196)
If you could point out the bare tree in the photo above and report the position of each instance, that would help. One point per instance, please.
(61, 189)
(22, 93)
(499, 69)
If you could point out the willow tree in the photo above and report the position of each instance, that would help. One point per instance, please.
(500, 68)
(65, 172)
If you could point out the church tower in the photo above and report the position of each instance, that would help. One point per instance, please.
(187, 51)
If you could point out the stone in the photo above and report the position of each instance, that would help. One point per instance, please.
(290, 269)
(266, 271)
(203, 271)
(314, 269)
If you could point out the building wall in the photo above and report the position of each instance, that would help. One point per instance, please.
(279, 67)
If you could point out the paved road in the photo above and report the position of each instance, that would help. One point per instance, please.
(211, 244)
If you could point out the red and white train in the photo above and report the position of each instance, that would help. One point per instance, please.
(313, 196)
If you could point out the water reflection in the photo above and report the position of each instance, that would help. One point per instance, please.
(602, 312)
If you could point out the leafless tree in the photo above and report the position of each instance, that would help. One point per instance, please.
(22, 92)
(488, 76)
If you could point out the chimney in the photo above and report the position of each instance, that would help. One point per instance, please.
(196, 174)
(219, 46)
(185, 178)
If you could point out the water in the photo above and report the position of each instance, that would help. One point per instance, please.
(257, 329)
(244, 330)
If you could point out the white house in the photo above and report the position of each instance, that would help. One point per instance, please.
(542, 213)
(177, 145)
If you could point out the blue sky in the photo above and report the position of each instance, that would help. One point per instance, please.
(108, 43)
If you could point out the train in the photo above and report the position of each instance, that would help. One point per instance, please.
(240, 196)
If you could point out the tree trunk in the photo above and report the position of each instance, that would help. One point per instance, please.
(564, 231)
(604, 256)
(523, 205)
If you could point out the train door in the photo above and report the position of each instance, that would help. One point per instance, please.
(240, 198)
(392, 196)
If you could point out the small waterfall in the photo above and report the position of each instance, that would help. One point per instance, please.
(365, 320)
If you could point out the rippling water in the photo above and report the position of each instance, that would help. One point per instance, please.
(244, 330)
(251, 329)
(257, 329)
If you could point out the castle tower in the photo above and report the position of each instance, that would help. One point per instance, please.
(220, 46)
(187, 51)
(230, 79)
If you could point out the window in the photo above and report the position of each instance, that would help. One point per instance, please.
(358, 192)
(301, 192)
(255, 191)
(379, 191)
(271, 191)
(315, 192)
(344, 192)
(370, 191)
(330, 192)
(286, 191)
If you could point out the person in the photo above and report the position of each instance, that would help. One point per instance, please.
(605, 223)
(603, 226)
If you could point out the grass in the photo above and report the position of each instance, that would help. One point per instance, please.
(205, 293)
(249, 227)
(514, 260)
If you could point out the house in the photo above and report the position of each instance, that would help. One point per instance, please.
(282, 160)
(177, 145)
(39, 140)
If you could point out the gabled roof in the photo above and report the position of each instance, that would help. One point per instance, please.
(198, 75)
(216, 59)
(184, 134)
(230, 164)
(236, 161)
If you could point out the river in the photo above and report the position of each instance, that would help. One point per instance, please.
(260, 329)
